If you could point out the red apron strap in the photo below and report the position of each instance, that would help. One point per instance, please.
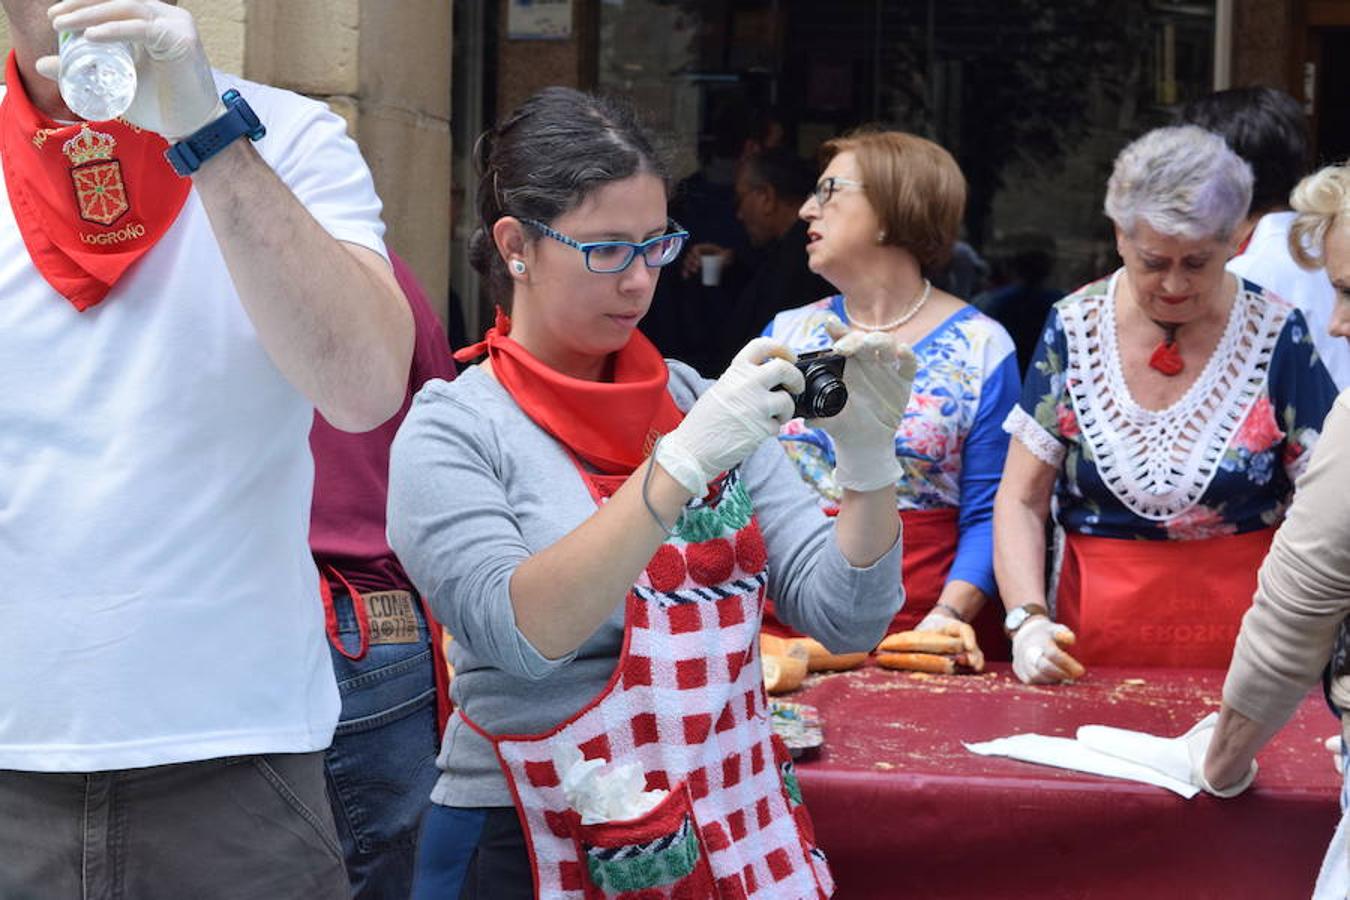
(330, 614)
(438, 661)
(929, 537)
(434, 633)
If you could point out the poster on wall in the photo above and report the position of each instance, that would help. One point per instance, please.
(539, 20)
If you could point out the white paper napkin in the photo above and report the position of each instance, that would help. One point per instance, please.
(1089, 756)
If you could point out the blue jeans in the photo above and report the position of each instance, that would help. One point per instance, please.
(473, 854)
(382, 764)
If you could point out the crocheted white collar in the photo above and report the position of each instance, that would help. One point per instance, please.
(1160, 462)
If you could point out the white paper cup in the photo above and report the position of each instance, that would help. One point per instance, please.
(711, 268)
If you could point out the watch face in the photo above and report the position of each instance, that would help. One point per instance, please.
(1015, 618)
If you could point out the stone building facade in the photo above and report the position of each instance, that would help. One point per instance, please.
(385, 67)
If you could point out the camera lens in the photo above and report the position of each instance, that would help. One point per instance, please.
(826, 394)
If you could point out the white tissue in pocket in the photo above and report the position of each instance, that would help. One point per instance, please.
(601, 791)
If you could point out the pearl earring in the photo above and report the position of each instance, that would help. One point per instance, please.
(518, 266)
(881, 237)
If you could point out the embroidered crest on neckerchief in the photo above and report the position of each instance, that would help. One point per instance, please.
(97, 176)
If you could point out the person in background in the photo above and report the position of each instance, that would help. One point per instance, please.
(597, 528)
(1268, 129)
(1166, 416)
(167, 333)
(1299, 624)
(386, 650)
(770, 189)
(1021, 304)
(965, 274)
(688, 320)
(885, 212)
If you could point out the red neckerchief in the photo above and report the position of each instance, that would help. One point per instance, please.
(90, 198)
(612, 426)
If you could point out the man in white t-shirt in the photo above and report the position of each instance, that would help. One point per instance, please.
(1268, 129)
(178, 293)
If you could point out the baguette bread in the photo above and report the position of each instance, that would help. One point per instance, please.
(971, 659)
(773, 645)
(821, 660)
(1064, 639)
(918, 662)
(783, 673)
(922, 642)
(813, 651)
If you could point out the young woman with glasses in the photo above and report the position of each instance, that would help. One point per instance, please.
(597, 527)
(884, 215)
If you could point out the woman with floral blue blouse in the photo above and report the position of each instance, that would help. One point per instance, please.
(1167, 413)
(886, 210)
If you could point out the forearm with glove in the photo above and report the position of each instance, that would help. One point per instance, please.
(879, 374)
(590, 570)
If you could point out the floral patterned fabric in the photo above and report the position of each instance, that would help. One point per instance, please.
(950, 445)
(1243, 477)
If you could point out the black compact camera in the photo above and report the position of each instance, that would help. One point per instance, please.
(825, 393)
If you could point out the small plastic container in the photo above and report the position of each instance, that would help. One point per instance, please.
(98, 79)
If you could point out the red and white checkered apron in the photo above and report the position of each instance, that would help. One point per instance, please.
(687, 702)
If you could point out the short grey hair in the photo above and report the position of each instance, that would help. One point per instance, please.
(1182, 181)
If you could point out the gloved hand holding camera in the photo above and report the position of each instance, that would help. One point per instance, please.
(747, 405)
(878, 372)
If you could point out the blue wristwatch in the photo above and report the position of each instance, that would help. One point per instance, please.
(239, 120)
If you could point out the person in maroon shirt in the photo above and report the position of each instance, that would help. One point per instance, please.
(386, 650)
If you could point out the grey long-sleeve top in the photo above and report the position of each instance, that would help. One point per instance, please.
(475, 488)
(1303, 590)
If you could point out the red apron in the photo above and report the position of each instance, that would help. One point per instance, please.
(930, 537)
(687, 702)
(1158, 603)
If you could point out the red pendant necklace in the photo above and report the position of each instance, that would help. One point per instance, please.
(1166, 356)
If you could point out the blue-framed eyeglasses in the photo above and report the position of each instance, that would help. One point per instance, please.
(612, 257)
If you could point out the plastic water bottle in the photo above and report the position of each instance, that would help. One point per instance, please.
(98, 78)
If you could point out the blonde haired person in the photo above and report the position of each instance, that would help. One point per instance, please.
(1167, 413)
(1297, 625)
(1322, 202)
(884, 215)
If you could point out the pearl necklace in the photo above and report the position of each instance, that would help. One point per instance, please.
(894, 323)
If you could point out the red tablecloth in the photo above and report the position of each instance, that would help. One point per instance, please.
(903, 810)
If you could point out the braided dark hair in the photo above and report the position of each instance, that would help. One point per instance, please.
(545, 158)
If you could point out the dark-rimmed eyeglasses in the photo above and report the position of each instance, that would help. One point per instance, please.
(613, 257)
(828, 187)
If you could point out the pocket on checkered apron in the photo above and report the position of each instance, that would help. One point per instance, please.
(658, 854)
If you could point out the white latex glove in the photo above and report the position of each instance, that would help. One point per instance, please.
(175, 92)
(735, 415)
(1038, 652)
(943, 622)
(1333, 745)
(879, 374)
(1182, 758)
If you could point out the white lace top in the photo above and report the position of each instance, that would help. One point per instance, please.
(1221, 460)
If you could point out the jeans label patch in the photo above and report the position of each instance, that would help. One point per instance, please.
(392, 617)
